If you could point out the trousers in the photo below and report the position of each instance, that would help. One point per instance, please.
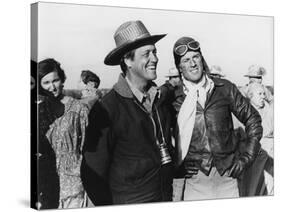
(214, 186)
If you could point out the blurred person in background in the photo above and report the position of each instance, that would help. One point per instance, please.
(87, 91)
(90, 91)
(257, 95)
(174, 77)
(91, 82)
(255, 75)
(216, 71)
(171, 90)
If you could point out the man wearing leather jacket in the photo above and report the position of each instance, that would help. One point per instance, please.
(208, 154)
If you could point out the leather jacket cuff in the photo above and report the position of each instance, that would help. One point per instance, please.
(250, 153)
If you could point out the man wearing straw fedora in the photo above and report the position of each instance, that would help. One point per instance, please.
(207, 148)
(127, 147)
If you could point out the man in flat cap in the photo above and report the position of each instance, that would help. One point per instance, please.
(126, 153)
(207, 149)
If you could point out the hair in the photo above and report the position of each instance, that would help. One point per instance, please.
(89, 76)
(128, 55)
(50, 65)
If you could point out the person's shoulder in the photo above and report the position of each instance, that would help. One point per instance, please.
(221, 81)
(221, 84)
(76, 105)
(225, 86)
(106, 108)
(108, 102)
(109, 97)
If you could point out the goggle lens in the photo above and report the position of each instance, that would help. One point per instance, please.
(182, 49)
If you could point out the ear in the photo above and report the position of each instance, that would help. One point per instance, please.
(128, 62)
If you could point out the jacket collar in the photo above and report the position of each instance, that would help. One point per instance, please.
(123, 89)
(218, 82)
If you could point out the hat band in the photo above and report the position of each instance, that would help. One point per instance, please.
(252, 76)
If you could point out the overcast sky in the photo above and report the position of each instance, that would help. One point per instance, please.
(80, 36)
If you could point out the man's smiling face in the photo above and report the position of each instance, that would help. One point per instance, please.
(191, 66)
(145, 62)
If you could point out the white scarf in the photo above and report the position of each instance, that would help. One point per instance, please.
(186, 118)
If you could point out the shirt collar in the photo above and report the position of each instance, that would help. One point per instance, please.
(136, 92)
(152, 92)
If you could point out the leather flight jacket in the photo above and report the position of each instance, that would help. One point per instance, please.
(213, 142)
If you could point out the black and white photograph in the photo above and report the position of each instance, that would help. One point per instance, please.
(134, 105)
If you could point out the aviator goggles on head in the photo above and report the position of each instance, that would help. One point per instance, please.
(182, 49)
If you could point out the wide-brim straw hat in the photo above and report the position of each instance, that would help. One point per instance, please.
(129, 36)
(255, 71)
(173, 72)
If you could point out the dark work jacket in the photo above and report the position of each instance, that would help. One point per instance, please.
(168, 95)
(122, 161)
(217, 126)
